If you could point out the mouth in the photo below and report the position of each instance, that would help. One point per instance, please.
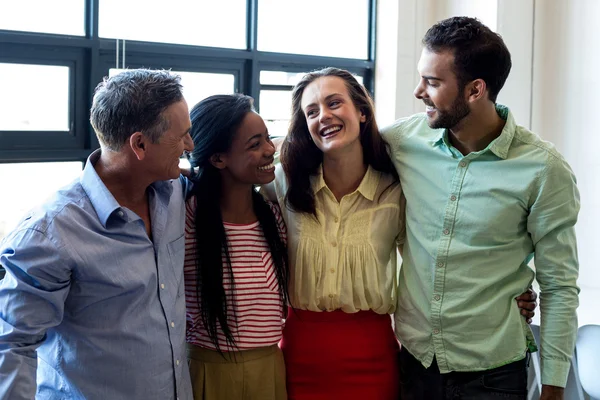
(429, 109)
(330, 130)
(267, 167)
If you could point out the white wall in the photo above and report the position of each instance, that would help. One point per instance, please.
(552, 89)
(565, 110)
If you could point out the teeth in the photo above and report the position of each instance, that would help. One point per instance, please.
(266, 167)
(330, 130)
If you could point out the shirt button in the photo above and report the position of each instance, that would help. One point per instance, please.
(446, 232)
(436, 331)
(440, 264)
(453, 198)
(436, 297)
(162, 285)
(334, 244)
(172, 324)
(335, 219)
(177, 362)
(121, 213)
(463, 164)
(331, 296)
(332, 270)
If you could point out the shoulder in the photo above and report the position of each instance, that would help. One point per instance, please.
(275, 209)
(531, 145)
(54, 220)
(389, 189)
(402, 126)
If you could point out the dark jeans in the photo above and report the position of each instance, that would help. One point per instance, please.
(420, 383)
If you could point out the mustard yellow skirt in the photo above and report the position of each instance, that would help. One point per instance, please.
(257, 374)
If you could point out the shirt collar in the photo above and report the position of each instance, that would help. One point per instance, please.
(101, 198)
(498, 146)
(368, 185)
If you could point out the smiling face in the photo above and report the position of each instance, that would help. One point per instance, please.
(249, 159)
(331, 116)
(440, 90)
(163, 156)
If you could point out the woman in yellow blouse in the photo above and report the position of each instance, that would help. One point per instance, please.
(341, 200)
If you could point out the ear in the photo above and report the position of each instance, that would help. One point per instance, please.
(139, 145)
(476, 90)
(363, 118)
(217, 160)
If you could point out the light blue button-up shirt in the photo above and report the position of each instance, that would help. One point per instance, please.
(473, 224)
(101, 304)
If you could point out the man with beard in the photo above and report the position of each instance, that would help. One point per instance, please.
(484, 197)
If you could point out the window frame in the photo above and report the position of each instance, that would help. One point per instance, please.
(90, 58)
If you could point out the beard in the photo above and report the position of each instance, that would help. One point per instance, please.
(448, 119)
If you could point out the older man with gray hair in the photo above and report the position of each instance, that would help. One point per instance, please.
(93, 301)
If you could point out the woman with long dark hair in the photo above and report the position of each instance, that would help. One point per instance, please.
(342, 202)
(236, 267)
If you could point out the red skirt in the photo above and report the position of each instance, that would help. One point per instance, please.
(337, 355)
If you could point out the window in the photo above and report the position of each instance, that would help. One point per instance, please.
(276, 109)
(199, 85)
(56, 16)
(332, 28)
(38, 97)
(54, 53)
(219, 23)
(30, 183)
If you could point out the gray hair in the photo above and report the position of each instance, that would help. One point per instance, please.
(133, 101)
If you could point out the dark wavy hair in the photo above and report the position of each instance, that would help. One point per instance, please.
(215, 122)
(479, 52)
(301, 158)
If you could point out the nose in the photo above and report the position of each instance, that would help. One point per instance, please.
(418, 92)
(188, 143)
(269, 149)
(324, 114)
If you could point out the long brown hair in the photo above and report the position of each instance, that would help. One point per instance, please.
(301, 158)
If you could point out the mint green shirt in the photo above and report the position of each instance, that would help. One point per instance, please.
(473, 223)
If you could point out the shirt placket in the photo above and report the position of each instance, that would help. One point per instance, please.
(441, 260)
(334, 227)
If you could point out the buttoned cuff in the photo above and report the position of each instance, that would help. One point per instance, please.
(555, 372)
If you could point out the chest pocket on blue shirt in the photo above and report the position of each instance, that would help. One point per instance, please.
(177, 254)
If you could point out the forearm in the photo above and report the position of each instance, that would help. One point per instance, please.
(17, 373)
(552, 393)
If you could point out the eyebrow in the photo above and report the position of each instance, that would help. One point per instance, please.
(326, 98)
(432, 78)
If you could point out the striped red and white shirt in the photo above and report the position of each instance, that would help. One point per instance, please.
(258, 307)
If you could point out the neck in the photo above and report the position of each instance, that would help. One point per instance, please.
(236, 203)
(120, 177)
(344, 171)
(476, 131)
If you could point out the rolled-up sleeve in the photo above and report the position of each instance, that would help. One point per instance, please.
(32, 297)
(551, 224)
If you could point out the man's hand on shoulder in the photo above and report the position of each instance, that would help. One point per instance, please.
(552, 393)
